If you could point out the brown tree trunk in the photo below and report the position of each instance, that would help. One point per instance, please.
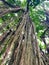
(22, 47)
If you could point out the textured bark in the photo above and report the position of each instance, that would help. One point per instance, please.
(23, 49)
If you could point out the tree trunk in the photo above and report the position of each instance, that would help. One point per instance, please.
(22, 47)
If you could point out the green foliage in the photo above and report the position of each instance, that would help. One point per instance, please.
(35, 14)
(15, 2)
(1, 20)
(36, 2)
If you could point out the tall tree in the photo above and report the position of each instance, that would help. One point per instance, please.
(20, 46)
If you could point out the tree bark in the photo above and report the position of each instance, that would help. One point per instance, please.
(24, 49)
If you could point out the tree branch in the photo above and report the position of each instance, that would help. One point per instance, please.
(13, 10)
